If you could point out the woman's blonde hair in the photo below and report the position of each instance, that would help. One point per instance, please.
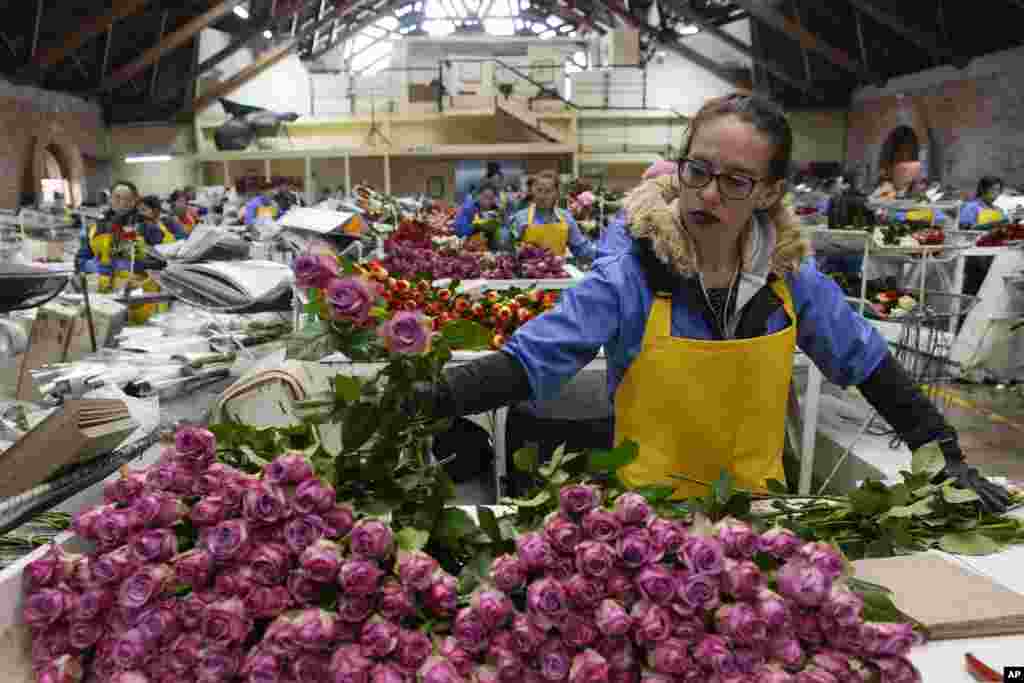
(547, 174)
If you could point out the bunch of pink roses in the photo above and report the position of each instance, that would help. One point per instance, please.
(621, 595)
(203, 574)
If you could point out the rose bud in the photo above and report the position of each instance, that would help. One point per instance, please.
(354, 609)
(737, 538)
(225, 622)
(372, 539)
(386, 673)
(702, 555)
(313, 495)
(602, 526)
(612, 619)
(308, 667)
(359, 577)
(127, 487)
(825, 557)
(621, 588)
(803, 583)
(555, 661)
(632, 509)
(579, 631)
(394, 602)
(46, 607)
(843, 605)
(211, 510)
(413, 649)
(779, 542)
(292, 468)
(493, 607)
(338, 521)
(526, 636)
(668, 535)
(588, 667)
(741, 622)
(651, 623)
(228, 540)
(440, 599)
(547, 601)
(437, 670)
(657, 584)
(897, 670)
(130, 649)
(265, 504)
(534, 552)
(583, 591)
(154, 546)
(321, 561)
(508, 572)
(416, 570)
(266, 602)
(62, 669)
(595, 559)
(787, 650)
(146, 584)
(741, 579)
(773, 610)
(262, 667)
(562, 534)
(578, 499)
(379, 637)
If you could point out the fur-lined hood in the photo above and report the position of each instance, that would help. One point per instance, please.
(652, 214)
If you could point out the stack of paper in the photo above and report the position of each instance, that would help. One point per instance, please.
(231, 285)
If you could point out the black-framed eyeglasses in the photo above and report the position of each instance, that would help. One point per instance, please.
(697, 174)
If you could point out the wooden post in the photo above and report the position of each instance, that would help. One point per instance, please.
(227, 174)
(310, 198)
(267, 171)
(387, 173)
(348, 173)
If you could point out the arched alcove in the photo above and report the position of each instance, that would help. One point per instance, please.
(57, 154)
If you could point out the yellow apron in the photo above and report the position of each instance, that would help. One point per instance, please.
(551, 236)
(168, 236)
(986, 216)
(697, 406)
(266, 212)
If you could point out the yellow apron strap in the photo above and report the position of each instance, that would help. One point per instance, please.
(529, 215)
(781, 290)
(659, 320)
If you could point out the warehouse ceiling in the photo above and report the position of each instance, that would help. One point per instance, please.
(140, 58)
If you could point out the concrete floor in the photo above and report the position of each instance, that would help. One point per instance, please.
(990, 422)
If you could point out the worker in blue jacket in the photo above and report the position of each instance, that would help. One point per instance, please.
(544, 224)
(700, 320)
(264, 206)
(475, 215)
(982, 211)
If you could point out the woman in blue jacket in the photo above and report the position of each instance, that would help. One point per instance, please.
(700, 319)
(981, 210)
(474, 212)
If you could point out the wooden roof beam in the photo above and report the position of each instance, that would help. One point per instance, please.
(808, 40)
(168, 44)
(929, 42)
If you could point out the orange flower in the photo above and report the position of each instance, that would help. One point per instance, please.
(402, 285)
(504, 314)
(423, 286)
(479, 310)
(525, 315)
(550, 299)
(536, 296)
(392, 283)
(497, 341)
(523, 300)
(377, 272)
(461, 305)
(445, 294)
(492, 296)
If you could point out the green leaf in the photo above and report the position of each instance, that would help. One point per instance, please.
(360, 424)
(601, 460)
(880, 547)
(776, 486)
(722, 487)
(410, 539)
(549, 469)
(656, 494)
(466, 335)
(969, 543)
(454, 524)
(489, 523)
(475, 571)
(525, 459)
(927, 459)
(952, 494)
(899, 495)
(347, 388)
(919, 509)
(542, 497)
(738, 505)
(347, 267)
(868, 501)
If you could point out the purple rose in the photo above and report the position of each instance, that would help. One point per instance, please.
(154, 545)
(787, 650)
(314, 270)
(413, 649)
(620, 587)
(887, 640)
(773, 609)
(451, 651)
(269, 563)
(440, 599)
(843, 605)
(437, 670)
(579, 630)
(85, 519)
(563, 534)
(779, 542)
(815, 676)
(144, 585)
(310, 667)
(555, 661)
(407, 332)
(130, 649)
(702, 555)
(353, 609)
(225, 622)
(700, 591)
(534, 552)
(263, 667)
(588, 667)
(338, 521)
(612, 619)
(50, 569)
(190, 609)
(228, 540)
(578, 499)
(291, 468)
(351, 299)
(651, 623)
(154, 509)
(526, 635)
(668, 535)
(632, 509)
(601, 525)
(595, 559)
(236, 581)
(737, 538)
(321, 561)
(470, 631)
(379, 638)
(657, 584)
(741, 622)
(372, 538)
(196, 445)
(416, 570)
(126, 488)
(803, 583)
(303, 531)
(385, 673)
(741, 579)
(690, 629)
(713, 653)
(671, 657)
(113, 527)
(394, 601)
(584, 591)
(303, 588)
(897, 670)
(92, 604)
(216, 664)
(85, 634)
(265, 504)
(825, 557)
(46, 607)
(494, 607)
(562, 569)
(62, 669)
(636, 548)
(174, 475)
(359, 577)
(508, 573)
(160, 623)
(266, 602)
(211, 510)
(547, 601)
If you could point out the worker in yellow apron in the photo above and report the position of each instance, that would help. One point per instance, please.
(699, 321)
(544, 224)
(981, 212)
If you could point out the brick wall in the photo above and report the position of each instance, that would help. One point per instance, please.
(32, 119)
(968, 123)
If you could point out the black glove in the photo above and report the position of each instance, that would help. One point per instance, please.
(994, 498)
(480, 386)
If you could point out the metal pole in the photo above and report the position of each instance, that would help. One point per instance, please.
(35, 31)
(156, 65)
(860, 39)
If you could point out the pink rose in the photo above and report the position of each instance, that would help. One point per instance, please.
(690, 629)
(494, 607)
(303, 531)
(510, 666)
(154, 545)
(588, 667)
(215, 478)
(547, 601)
(620, 587)
(321, 561)
(50, 643)
(50, 569)
(196, 445)
(595, 559)
(713, 653)
(632, 509)
(773, 609)
(46, 607)
(265, 504)
(440, 599)
(578, 499)
(825, 557)
(314, 271)
(612, 619)
(394, 601)
(372, 539)
(281, 637)
(737, 538)
(888, 640)
(555, 661)
(354, 609)
(237, 581)
(125, 488)
(130, 649)
(310, 667)
(313, 495)
(702, 555)
(270, 563)
(526, 636)
(602, 526)
(63, 669)
(216, 665)
(351, 299)
(386, 673)
(579, 631)
(262, 667)
(700, 591)
(226, 622)
(193, 568)
(843, 605)
(803, 583)
(657, 584)
(779, 542)
(787, 650)
(315, 630)
(85, 634)
(173, 475)
(338, 521)
(211, 510)
(437, 670)
(583, 591)
(157, 510)
(92, 604)
(563, 568)
(671, 657)
(266, 602)
(651, 623)
(144, 585)
(228, 540)
(190, 609)
(407, 332)
(291, 468)
(741, 579)
(563, 534)
(668, 535)
(359, 577)
(620, 653)
(303, 588)
(85, 519)
(113, 527)
(636, 548)
(469, 630)
(741, 622)
(452, 652)
(379, 638)
(413, 649)
(534, 552)
(416, 570)
(807, 629)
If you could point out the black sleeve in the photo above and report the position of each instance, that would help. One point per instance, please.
(482, 385)
(900, 402)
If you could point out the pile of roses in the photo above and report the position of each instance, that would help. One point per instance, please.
(622, 596)
(203, 574)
